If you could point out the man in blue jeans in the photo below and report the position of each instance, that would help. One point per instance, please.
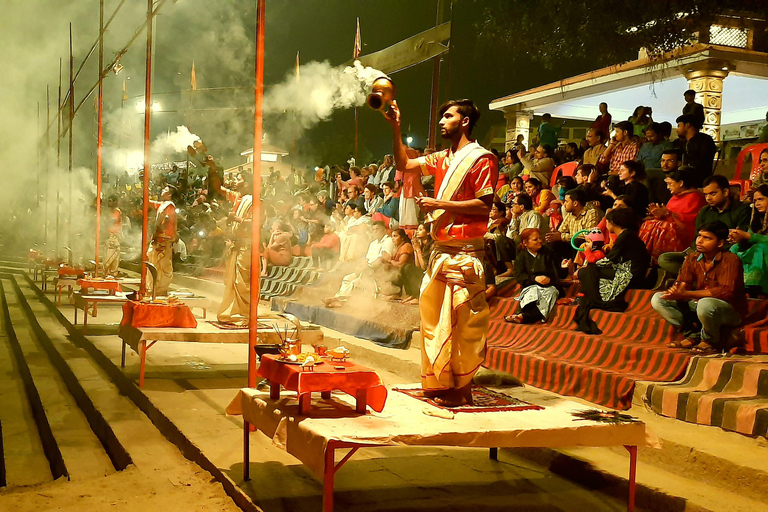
(708, 293)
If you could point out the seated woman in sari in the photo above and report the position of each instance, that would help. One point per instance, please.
(671, 228)
(605, 283)
(279, 251)
(408, 276)
(541, 197)
(502, 251)
(752, 246)
(536, 273)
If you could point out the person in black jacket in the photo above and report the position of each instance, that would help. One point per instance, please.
(536, 273)
(605, 283)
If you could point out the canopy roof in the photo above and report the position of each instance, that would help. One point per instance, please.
(659, 84)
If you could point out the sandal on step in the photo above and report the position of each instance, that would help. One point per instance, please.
(676, 344)
(514, 319)
(689, 343)
(704, 349)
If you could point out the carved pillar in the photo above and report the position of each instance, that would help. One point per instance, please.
(518, 123)
(708, 84)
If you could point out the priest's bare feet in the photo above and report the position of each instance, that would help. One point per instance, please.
(455, 397)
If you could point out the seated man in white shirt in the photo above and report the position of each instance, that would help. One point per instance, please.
(363, 279)
(356, 239)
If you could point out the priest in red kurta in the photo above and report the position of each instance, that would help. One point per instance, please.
(454, 312)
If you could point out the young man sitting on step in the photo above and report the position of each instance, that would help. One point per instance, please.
(708, 294)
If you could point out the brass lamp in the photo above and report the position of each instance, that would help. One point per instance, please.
(383, 92)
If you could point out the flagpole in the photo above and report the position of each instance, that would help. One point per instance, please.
(147, 166)
(100, 132)
(253, 318)
(358, 47)
(47, 157)
(71, 122)
(293, 126)
(58, 163)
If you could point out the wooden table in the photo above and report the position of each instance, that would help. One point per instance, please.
(141, 339)
(314, 440)
(354, 379)
(86, 302)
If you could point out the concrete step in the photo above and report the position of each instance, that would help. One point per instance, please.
(144, 445)
(81, 450)
(24, 458)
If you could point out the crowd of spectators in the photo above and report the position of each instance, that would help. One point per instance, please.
(632, 215)
(643, 209)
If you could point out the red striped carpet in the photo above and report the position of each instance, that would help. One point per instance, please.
(727, 392)
(601, 369)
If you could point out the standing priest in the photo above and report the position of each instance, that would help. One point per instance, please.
(454, 312)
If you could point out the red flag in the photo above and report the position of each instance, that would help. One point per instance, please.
(358, 42)
(193, 78)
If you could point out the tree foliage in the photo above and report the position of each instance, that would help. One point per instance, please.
(602, 31)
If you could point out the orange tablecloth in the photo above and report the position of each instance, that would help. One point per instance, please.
(112, 286)
(140, 314)
(70, 271)
(326, 377)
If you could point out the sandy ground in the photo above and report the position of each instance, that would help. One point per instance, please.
(182, 487)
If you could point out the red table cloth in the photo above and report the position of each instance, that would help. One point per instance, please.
(101, 284)
(64, 270)
(326, 377)
(142, 314)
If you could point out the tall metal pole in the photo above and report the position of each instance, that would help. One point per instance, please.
(71, 122)
(39, 158)
(100, 131)
(58, 164)
(253, 318)
(147, 167)
(47, 156)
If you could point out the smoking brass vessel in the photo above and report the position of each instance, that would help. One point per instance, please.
(383, 92)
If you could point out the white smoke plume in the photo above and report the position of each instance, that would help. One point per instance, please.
(173, 143)
(321, 90)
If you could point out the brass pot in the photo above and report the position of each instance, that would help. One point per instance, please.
(383, 92)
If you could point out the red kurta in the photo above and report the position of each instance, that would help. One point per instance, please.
(480, 181)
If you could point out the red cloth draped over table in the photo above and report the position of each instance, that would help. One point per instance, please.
(326, 378)
(112, 286)
(140, 314)
(70, 271)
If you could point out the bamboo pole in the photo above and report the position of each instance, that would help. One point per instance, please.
(71, 121)
(253, 318)
(100, 133)
(58, 165)
(147, 166)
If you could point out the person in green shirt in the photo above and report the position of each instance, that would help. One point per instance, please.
(752, 245)
(548, 133)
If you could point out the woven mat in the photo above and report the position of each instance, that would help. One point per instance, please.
(483, 400)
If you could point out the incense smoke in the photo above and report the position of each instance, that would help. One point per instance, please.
(321, 90)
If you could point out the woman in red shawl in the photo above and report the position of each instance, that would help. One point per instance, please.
(671, 228)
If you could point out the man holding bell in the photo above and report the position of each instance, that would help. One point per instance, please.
(454, 312)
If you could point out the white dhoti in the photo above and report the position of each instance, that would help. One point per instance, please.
(454, 318)
(236, 303)
(160, 254)
(409, 213)
(112, 261)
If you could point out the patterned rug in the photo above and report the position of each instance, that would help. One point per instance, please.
(727, 392)
(483, 400)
